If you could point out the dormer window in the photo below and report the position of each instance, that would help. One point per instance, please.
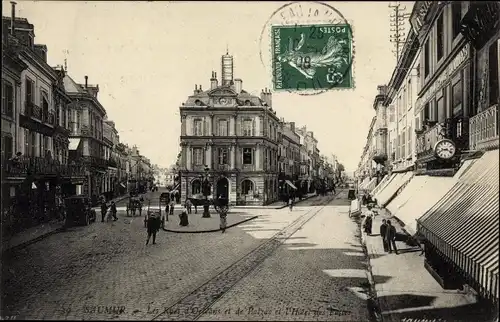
(248, 103)
(198, 103)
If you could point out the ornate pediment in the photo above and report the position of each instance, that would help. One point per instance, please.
(222, 92)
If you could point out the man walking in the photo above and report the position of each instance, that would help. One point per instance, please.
(153, 225)
(383, 232)
(188, 206)
(113, 210)
(104, 208)
(390, 238)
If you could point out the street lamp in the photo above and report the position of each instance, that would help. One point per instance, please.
(206, 192)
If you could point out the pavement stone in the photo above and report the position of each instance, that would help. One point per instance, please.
(406, 291)
(316, 273)
(199, 224)
(92, 272)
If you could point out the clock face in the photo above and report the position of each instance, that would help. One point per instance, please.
(445, 149)
(223, 101)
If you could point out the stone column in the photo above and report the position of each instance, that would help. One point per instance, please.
(257, 126)
(189, 153)
(233, 155)
(257, 156)
(183, 125)
(231, 126)
(211, 125)
(208, 155)
(235, 124)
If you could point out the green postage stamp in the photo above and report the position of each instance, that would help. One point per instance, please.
(312, 57)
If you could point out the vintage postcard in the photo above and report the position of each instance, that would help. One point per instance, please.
(250, 161)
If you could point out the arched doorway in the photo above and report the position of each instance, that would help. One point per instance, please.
(223, 188)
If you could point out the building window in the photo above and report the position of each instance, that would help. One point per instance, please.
(409, 147)
(410, 103)
(198, 156)
(493, 74)
(30, 89)
(247, 187)
(198, 127)
(247, 128)
(27, 147)
(440, 38)
(7, 146)
(34, 145)
(247, 156)
(426, 59)
(457, 97)
(8, 99)
(222, 156)
(441, 109)
(45, 106)
(456, 17)
(223, 127)
(196, 187)
(403, 144)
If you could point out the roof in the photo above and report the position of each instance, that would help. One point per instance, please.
(70, 86)
(243, 98)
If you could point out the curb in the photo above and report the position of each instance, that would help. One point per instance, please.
(32, 241)
(210, 230)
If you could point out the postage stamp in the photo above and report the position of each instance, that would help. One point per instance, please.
(312, 57)
(308, 48)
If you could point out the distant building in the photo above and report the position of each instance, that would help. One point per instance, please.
(234, 135)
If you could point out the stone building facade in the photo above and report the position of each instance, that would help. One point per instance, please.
(229, 137)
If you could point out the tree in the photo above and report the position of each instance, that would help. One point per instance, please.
(340, 167)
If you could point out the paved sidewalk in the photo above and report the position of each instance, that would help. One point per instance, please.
(275, 205)
(36, 233)
(405, 290)
(198, 224)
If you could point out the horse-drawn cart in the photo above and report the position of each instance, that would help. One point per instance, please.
(134, 204)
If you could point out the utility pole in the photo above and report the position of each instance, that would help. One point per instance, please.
(397, 23)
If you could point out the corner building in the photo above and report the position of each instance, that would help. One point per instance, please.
(232, 134)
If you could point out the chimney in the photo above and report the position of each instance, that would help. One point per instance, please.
(382, 90)
(213, 81)
(41, 51)
(200, 90)
(86, 81)
(238, 85)
(311, 134)
(12, 17)
(292, 126)
(195, 89)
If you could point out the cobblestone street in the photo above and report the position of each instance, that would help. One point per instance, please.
(105, 270)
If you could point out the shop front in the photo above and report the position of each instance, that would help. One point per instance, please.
(442, 111)
(461, 231)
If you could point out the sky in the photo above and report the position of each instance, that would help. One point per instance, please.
(148, 56)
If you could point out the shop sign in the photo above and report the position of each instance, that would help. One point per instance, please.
(421, 11)
(452, 67)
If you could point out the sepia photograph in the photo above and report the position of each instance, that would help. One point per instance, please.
(250, 161)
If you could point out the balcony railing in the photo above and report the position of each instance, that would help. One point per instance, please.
(484, 130)
(95, 161)
(429, 138)
(24, 165)
(33, 110)
(222, 167)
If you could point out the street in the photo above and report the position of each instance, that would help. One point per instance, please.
(314, 270)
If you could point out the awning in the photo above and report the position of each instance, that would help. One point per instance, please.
(383, 183)
(73, 144)
(291, 184)
(392, 188)
(371, 185)
(463, 225)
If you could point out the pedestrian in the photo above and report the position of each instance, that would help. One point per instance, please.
(188, 205)
(369, 220)
(104, 208)
(223, 218)
(172, 206)
(113, 210)
(195, 208)
(153, 226)
(390, 238)
(383, 232)
(290, 203)
(140, 206)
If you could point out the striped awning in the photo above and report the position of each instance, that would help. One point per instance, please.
(392, 187)
(463, 225)
(383, 183)
(371, 185)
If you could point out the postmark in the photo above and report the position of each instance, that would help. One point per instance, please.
(310, 49)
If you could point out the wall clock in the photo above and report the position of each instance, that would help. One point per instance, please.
(445, 149)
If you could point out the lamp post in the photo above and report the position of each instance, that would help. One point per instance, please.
(206, 192)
